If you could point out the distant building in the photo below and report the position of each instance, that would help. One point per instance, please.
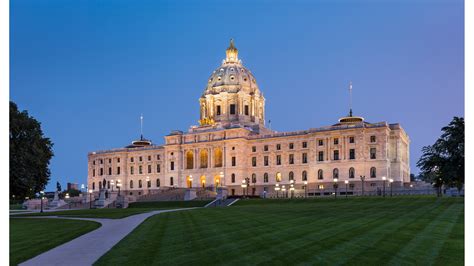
(72, 186)
(233, 145)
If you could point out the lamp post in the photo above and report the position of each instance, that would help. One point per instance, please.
(112, 183)
(244, 185)
(247, 183)
(41, 200)
(277, 188)
(305, 188)
(119, 184)
(384, 179)
(190, 181)
(283, 190)
(147, 185)
(346, 182)
(292, 189)
(90, 198)
(335, 187)
(362, 178)
(391, 186)
(221, 176)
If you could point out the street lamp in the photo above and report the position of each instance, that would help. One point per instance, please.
(190, 181)
(90, 198)
(292, 189)
(244, 185)
(305, 188)
(277, 188)
(112, 182)
(335, 187)
(283, 190)
(221, 176)
(67, 196)
(346, 182)
(147, 185)
(391, 185)
(362, 178)
(41, 199)
(119, 184)
(384, 179)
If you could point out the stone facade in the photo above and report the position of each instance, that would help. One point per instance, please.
(232, 145)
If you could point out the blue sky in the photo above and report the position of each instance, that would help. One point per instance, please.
(88, 69)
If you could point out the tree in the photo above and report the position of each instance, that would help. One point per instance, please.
(30, 153)
(443, 162)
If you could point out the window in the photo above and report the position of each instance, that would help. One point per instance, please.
(320, 156)
(373, 184)
(246, 109)
(149, 157)
(140, 183)
(254, 149)
(373, 153)
(203, 158)
(101, 161)
(278, 147)
(232, 109)
(336, 141)
(158, 182)
(254, 161)
(140, 170)
(101, 171)
(218, 110)
(373, 172)
(93, 172)
(265, 160)
(291, 159)
(93, 162)
(148, 184)
(118, 160)
(233, 161)
(320, 174)
(131, 170)
(118, 170)
(172, 166)
(149, 169)
(110, 170)
(254, 178)
(373, 138)
(218, 157)
(291, 176)
(278, 159)
(305, 144)
(320, 186)
(351, 172)
(351, 186)
(131, 159)
(232, 192)
(189, 160)
(93, 185)
(351, 140)
(110, 160)
(278, 177)
(131, 183)
(304, 157)
(232, 178)
(352, 155)
(320, 142)
(336, 155)
(265, 148)
(140, 158)
(108, 184)
(100, 185)
(158, 157)
(304, 176)
(335, 173)
(265, 178)
(291, 146)
(171, 181)
(158, 168)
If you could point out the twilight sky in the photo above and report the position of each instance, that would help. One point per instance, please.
(88, 69)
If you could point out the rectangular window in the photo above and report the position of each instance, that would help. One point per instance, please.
(321, 186)
(158, 168)
(291, 146)
(373, 153)
(149, 157)
(351, 140)
(110, 170)
(254, 149)
(140, 170)
(93, 172)
(304, 158)
(118, 170)
(278, 160)
(234, 163)
(352, 154)
(372, 139)
(320, 156)
(149, 169)
(278, 147)
(172, 166)
(265, 160)
(101, 171)
(232, 109)
(246, 109)
(100, 161)
(254, 161)
(320, 142)
(110, 160)
(93, 162)
(218, 110)
(131, 170)
(336, 141)
(265, 148)
(140, 158)
(305, 144)
(336, 155)
(291, 159)
(131, 159)
(158, 157)
(118, 160)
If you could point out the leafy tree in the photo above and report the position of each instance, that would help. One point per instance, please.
(72, 192)
(443, 162)
(30, 153)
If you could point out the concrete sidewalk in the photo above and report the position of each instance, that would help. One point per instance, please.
(88, 248)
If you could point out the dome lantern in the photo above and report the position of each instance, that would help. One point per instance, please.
(232, 54)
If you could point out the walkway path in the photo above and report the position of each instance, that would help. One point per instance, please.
(88, 248)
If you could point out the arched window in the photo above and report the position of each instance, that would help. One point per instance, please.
(203, 158)
(278, 177)
(265, 178)
(157, 182)
(171, 181)
(304, 176)
(218, 157)
(140, 183)
(232, 177)
(100, 185)
(320, 174)
(335, 173)
(373, 172)
(291, 176)
(189, 160)
(351, 172)
(131, 183)
(254, 178)
(93, 185)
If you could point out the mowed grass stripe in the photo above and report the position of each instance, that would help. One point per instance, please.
(454, 244)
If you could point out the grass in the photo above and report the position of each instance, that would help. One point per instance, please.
(114, 213)
(356, 231)
(31, 237)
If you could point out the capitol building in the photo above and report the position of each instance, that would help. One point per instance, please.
(232, 148)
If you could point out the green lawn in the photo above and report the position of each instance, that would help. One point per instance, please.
(354, 231)
(114, 213)
(31, 237)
